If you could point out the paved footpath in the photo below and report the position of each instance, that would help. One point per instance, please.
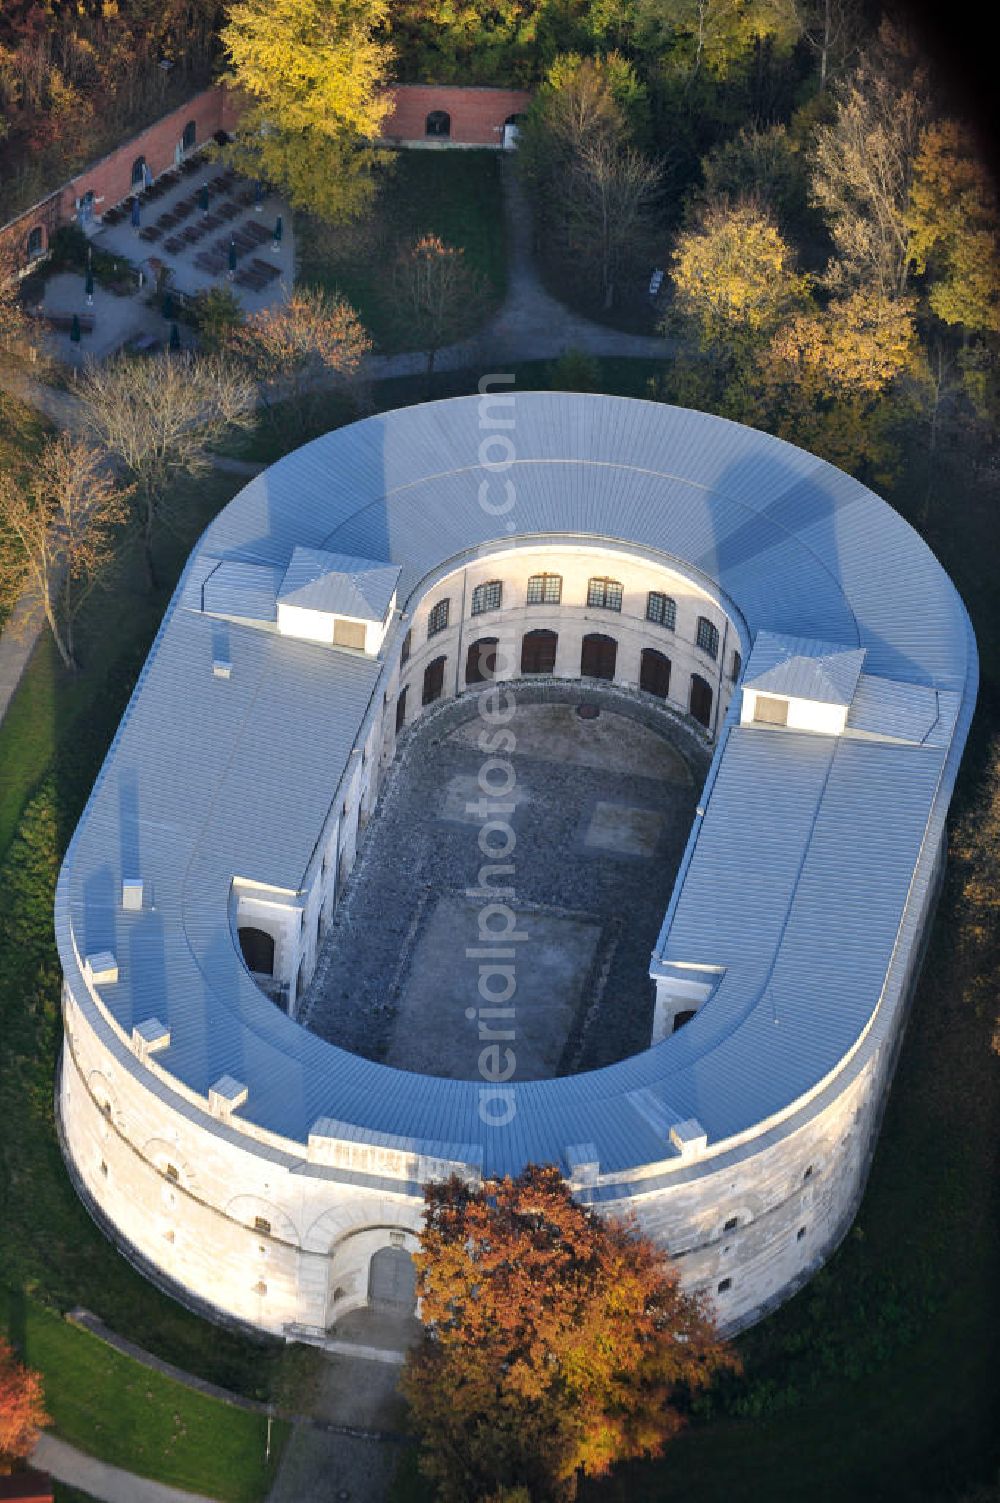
(107, 1483)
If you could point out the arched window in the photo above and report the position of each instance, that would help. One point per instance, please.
(735, 666)
(545, 589)
(701, 700)
(487, 597)
(190, 135)
(404, 651)
(438, 618)
(258, 951)
(538, 651)
(481, 663)
(433, 681)
(654, 673)
(36, 242)
(684, 1017)
(599, 655)
(400, 712)
(438, 124)
(85, 211)
(708, 637)
(662, 609)
(139, 172)
(606, 593)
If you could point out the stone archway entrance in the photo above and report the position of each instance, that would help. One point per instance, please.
(392, 1282)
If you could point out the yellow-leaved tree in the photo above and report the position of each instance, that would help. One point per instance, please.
(955, 228)
(314, 73)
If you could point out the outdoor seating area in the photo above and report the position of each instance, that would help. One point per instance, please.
(203, 233)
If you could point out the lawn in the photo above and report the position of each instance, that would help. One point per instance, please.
(140, 1420)
(453, 194)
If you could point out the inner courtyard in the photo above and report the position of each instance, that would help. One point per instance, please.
(583, 836)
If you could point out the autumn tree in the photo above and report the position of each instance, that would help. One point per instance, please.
(763, 165)
(715, 37)
(954, 227)
(863, 171)
(437, 293)
(824, 377)
(556, 1343)
(295, 347)
(831, 29)
(64, 517)
(975, 851)
(22, 1406)
(314, 72)
(159, 417)
(733, 281)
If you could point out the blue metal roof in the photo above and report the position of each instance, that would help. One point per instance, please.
(336, 583)
(804, 669)
(798, 879)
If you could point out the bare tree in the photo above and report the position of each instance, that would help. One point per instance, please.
(832, 29)
(159, 417)
(614, 189)
(65, 518)
(19, 335)
(439, 293)
(862, 176)
(296, 347)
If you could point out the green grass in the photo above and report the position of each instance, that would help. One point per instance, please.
(453, 194)
(138, 1419)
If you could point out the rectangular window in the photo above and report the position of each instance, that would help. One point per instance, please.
(438, 618)
(605, 593)
(708, 637)
(770, 711)
(172, 1173)
(661, 609)
(545, 589)
(486, 597)
(735, 666)
(348, 634)
(261, 1224)
(731, 1224)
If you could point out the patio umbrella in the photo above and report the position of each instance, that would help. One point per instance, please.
(278, 228)
(88, 288)
(74, 330)
(168, 306)
(232, 258)
(175, 337)
(203, 198)
(135, 212)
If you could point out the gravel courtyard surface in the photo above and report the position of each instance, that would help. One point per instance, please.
(601, 812)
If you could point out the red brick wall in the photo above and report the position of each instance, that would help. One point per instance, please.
(477, 115)
(477, 118)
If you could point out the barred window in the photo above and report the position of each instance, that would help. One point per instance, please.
(708, 637)
(438, 618)
(606, 593)
(404, 652)
(486, 597)
(661, 609)
(545, 589)
(736, 665)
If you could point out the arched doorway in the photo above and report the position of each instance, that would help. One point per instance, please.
(701, 699)
(538, 651)
(654, 672)
(190, 136)
(258, 951)
(401, 709)
(392, 1281)
(433, 681)
(481, 663)
(36, 242)
(139, 172)
(599, 655)
(438, 124)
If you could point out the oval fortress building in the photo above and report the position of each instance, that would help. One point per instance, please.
(775, 604)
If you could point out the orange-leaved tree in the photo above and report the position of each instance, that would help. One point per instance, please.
(22, 1407)
(556, 1342)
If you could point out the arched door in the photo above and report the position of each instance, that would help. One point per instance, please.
(538, 651)
(599, 655)
(654, 673)
(392, 1281)
(701, 699)
(139, 172)
(258, 951)
(401, 710)
(481, 663)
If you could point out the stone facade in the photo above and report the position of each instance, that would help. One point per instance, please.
(279, 1235)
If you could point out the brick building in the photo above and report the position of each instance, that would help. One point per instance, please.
(448, 115)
